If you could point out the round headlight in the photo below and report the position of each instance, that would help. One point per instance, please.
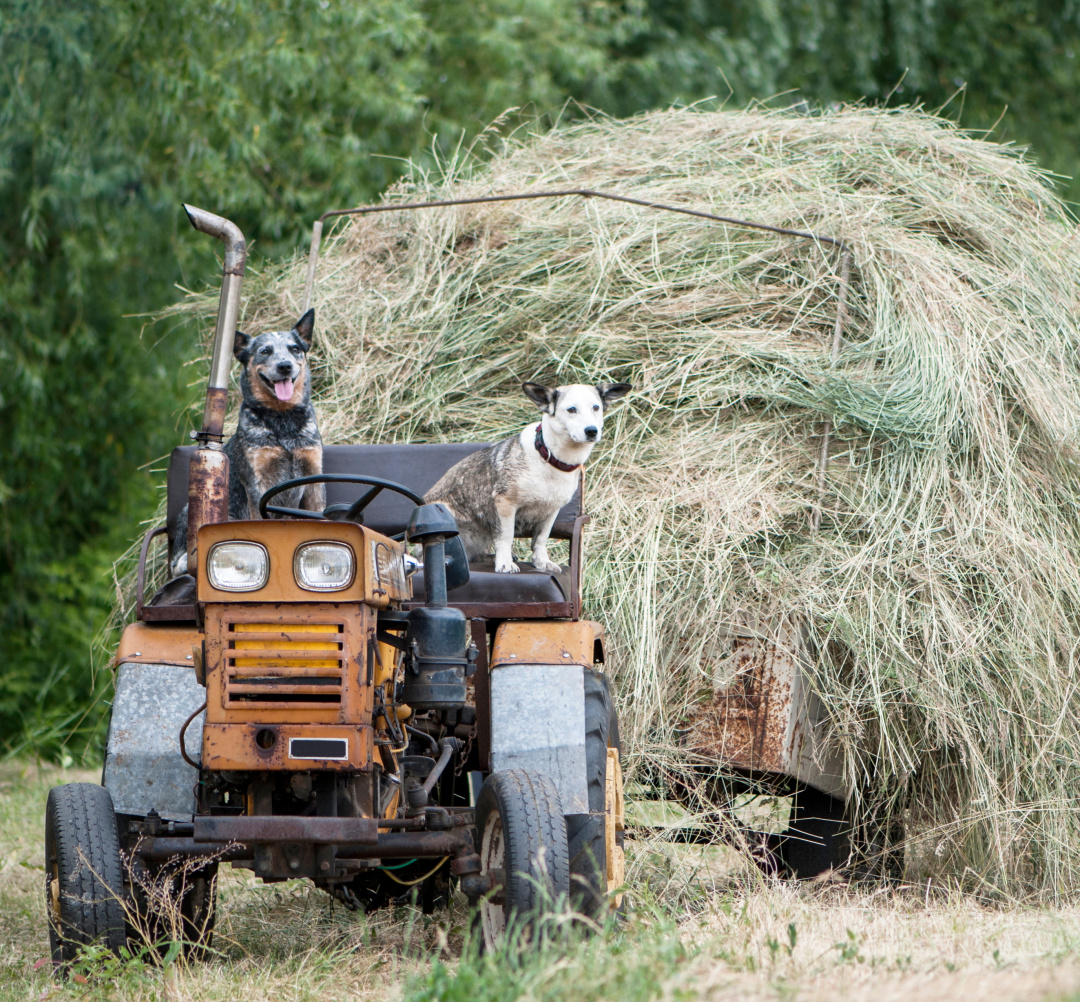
(324, 566)
(238, 566)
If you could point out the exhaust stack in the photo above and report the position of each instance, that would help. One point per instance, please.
(217, 391)
(208, 479)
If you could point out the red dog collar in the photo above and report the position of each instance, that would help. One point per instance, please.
(545, 452)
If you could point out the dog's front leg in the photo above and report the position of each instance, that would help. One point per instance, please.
(314, 495)
(505, 512)
(540, 558)
(269, 466)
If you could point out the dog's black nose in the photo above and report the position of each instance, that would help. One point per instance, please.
(591, 432)
(285, 368)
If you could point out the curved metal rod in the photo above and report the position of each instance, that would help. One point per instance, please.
(422, 734)
(228, 309)
(363, 210)
(448, 746)
(183, 730)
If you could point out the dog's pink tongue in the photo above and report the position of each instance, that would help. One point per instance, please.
(284, 389)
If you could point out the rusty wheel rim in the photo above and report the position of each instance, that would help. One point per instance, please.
(493, 859)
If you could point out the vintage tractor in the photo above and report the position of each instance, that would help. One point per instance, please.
(312, 701)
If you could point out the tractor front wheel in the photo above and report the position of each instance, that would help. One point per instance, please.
(523, 850)
(84, 877)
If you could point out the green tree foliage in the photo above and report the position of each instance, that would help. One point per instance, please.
(978, 57)
(112, 112)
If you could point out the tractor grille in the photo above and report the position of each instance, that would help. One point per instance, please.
(284, 665)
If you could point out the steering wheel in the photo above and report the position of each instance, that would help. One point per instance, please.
(334, 512)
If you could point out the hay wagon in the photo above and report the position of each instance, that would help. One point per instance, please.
(366, 729)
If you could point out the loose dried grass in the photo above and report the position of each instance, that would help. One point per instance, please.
(941, 594)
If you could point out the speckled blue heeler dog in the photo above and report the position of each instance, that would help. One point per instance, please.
(277, 437)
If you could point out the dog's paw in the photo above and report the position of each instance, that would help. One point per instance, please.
(546, 566)
(507, 568)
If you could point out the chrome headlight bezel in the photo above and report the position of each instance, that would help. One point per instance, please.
(335, 544)
(255, 548)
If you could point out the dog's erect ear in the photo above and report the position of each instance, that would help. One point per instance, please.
(543, 396)
(241, 347)
(305, 327)
(610, 392)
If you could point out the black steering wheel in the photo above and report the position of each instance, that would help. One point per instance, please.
(334, 512)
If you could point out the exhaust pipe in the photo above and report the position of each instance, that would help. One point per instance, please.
(217, 391)
(208, 478)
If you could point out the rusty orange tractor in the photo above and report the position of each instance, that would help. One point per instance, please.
(311, 701)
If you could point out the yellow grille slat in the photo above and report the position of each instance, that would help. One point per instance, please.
(273, 649)
(275, 671)
(285, 645)
(287, 663)
(285, 628)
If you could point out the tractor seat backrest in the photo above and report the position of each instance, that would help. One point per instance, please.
(417, 467)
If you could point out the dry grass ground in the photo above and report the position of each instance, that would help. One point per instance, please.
(730, 936)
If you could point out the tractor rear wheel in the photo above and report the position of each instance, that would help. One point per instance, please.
(84, 877)
(597, 863)
(523, 850)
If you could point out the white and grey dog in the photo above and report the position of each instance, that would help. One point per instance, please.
(517, 486)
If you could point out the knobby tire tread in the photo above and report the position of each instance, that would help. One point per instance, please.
(531, 812)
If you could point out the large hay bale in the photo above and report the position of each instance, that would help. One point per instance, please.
(941, 594)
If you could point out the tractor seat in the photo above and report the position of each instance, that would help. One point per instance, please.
(485, 586)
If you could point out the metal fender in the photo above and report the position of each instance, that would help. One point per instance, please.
(538, 702)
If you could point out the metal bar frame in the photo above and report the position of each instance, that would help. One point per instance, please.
(844, 248)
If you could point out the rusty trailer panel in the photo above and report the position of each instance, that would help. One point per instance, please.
(765, 719)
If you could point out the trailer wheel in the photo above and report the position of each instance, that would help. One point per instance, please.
(522, 849)
(84, 880)
(597, 863)
(820, 837)
(815, 839)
